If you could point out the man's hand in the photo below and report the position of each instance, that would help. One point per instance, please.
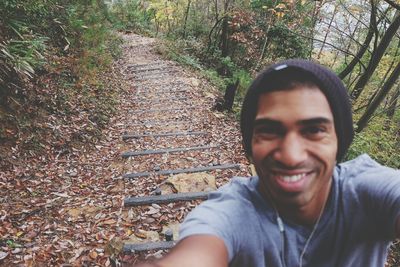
(194, 251)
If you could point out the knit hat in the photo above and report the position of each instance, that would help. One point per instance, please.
(279, 76)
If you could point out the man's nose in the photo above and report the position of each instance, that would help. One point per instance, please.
(291, 150)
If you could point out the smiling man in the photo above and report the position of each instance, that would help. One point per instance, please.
(303, 208)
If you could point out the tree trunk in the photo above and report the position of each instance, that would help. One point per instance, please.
(224, 33)
(350, 67)
(186, 17)
(393, 103)
(392, 63)
(378, 99)
(327, 32)
(314, 22)
(376, 57)
(168, 21)
(224, 37)
(265, 44)
(384, 77)
(211, 32)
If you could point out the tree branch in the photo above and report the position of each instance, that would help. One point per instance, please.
(393, 4)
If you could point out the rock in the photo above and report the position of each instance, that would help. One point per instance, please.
(114, 246)
(194, 182)
(195, 82)
(174, 227)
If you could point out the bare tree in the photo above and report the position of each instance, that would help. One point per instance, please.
(186, 17)
(357, 59)
(393, 103)
(376, 57)
(379, 98)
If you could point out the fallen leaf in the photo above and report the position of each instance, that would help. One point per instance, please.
(152, 211)
(93, 254)
(60, 194)
(78, 253)
(108, 222)
(19, 234)
(3, 255)
(140, 234)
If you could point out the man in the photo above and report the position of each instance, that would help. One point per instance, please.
(303, 208)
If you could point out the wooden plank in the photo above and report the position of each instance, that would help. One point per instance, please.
(146, 64)
(129, 136)
(162, 91)
(161, 151)
(136, 247)
(158, 100)
(136, 70)
(163, 109)
(177, 171)
(148, 200)
(155, 123)
(152, 73)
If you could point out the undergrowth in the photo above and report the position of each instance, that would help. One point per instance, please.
(54, 94)
(221, 73)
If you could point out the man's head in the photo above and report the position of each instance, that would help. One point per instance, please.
(284, 75)
(296, 123)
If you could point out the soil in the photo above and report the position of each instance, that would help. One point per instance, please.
(67, 206)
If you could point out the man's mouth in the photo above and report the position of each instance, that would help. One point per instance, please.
(292, 181)
(292, 178)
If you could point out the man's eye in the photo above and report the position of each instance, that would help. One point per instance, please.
(314, 131)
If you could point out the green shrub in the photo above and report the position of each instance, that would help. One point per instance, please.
(286, 44)
(377, 141)
(131, 15)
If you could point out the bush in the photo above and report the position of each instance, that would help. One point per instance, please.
(285, 44)
(131, 15)
(50, 53)
(378, 142)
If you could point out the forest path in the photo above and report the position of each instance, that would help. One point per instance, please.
(175, 148)
(79, 208)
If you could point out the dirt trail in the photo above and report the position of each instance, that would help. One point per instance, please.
(72, 210)
(167, 99)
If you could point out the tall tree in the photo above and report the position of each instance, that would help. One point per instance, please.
(186, 17)
(224, 33)
(393, 103)
(394, 76)
(376, 56)
(370, 34)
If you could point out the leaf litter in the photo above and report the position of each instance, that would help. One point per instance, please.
(67, 207)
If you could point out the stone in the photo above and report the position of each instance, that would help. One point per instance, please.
(174, 227)
(192, 182)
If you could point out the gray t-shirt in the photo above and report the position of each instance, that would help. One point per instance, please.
(355, 229)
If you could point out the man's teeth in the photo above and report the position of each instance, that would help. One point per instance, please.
(292, 178)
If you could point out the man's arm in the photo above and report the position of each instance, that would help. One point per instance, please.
(194, 251)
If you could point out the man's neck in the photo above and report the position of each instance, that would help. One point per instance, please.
(306, 215)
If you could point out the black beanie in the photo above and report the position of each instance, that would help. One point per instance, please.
(276, 76)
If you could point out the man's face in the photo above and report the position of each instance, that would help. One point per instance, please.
(294, 146)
